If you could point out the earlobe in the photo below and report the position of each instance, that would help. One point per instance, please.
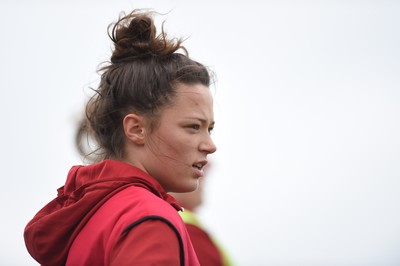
(134, 128)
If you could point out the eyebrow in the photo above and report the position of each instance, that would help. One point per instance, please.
(202, 120)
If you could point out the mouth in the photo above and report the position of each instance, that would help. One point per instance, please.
(199, 166)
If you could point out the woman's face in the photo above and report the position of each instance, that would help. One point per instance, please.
(177, 148)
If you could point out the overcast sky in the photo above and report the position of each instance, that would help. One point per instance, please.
(307, 106)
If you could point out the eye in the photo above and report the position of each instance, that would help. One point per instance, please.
(210, 129)
(194, 126)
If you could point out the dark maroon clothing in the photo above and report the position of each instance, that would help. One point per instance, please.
(207, 252)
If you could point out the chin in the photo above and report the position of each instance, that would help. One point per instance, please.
(189, 187)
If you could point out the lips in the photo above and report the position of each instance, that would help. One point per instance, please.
(198, 166)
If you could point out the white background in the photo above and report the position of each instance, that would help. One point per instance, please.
(307, 107)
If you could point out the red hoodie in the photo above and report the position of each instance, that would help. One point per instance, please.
(101, 211)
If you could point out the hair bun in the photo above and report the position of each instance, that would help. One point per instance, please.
(134, 36)
(142, 29)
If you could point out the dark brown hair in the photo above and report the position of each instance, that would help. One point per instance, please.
(141, 77)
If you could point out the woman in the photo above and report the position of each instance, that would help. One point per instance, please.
(151, 118)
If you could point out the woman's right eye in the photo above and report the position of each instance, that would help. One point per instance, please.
(194, 126)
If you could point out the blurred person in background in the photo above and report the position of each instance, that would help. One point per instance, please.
(208, 250)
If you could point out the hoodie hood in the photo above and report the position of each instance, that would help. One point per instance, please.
(51, 232)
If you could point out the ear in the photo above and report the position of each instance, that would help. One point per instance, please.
(134, 128)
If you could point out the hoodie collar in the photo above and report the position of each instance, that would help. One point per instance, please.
(111, 171)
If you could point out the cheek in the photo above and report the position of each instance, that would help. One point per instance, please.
(181, 151)
(174, 138)
(167, 145)
(173, 142)
(177, 148)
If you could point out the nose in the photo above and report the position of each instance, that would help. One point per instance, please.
(208, 145)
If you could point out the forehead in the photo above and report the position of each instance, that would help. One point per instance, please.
(192, 101)
(192, 96)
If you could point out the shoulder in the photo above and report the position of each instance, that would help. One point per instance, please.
(145, 224)
(137, 199)
(133, 205)
(150, 242)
